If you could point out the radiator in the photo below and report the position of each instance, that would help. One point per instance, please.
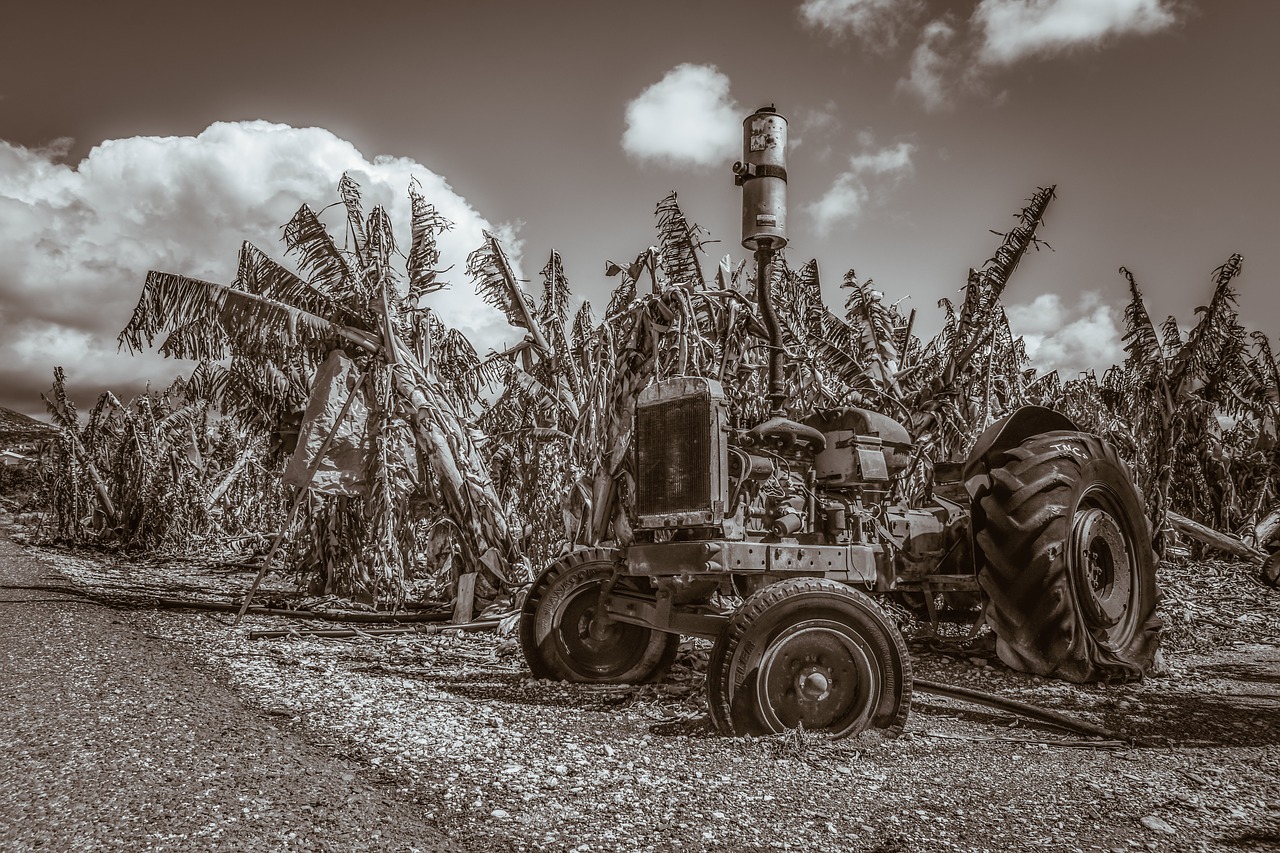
(680, 453)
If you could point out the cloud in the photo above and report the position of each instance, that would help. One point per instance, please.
(869, 175)
(1069, 339)
(953, 58)
(686, 119)
(76, 241)
(1015, 29)
(932, 75)
(878, 24)
(814, 126)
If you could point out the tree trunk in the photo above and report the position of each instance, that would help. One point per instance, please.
(466, 488)
(1222, 541)
(242, 462)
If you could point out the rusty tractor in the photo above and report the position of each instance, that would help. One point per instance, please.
(1040, 532)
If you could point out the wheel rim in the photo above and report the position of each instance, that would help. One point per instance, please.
(1103, 566)
(596, 648)
(817, 674)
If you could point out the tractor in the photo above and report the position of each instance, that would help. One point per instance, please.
(1040, 532)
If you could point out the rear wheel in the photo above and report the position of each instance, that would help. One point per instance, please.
(811, 653)
(1068, 566)
(563, 638)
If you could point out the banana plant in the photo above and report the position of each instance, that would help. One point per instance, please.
(355, 299)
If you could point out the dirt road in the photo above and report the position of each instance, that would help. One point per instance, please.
(113, 740)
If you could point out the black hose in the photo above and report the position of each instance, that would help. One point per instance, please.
(965, 694)
(764, 295)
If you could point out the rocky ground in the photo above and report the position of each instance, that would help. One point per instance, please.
(466, 744)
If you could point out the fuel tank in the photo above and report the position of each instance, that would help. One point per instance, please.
(862, 446)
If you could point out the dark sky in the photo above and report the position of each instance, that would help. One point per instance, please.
(916, 127)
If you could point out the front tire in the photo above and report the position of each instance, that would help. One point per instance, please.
(1067, 562)
(810, 653)
(563, 640)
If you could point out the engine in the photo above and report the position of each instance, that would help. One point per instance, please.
(826, 481)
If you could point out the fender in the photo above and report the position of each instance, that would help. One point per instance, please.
(1012, 430)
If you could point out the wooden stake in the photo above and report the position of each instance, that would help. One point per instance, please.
(465, 603)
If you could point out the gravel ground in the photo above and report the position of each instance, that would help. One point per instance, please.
(458, 738)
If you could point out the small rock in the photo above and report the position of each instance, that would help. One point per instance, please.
(1154, 823)
(503, 814)
(1159, 667)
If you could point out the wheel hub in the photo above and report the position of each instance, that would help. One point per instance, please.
(596, 643)
(1102, 566)
(814, 684)
(816, 674)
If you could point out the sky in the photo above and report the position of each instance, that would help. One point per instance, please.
(154, 135)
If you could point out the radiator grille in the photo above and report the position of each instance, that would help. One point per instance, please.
(673, 456)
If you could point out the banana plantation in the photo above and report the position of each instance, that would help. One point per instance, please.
(336, 417)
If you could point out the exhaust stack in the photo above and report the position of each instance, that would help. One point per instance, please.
(762, 174)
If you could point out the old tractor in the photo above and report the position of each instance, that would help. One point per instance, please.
(1040, 532)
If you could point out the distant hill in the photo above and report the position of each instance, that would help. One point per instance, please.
(17, 427)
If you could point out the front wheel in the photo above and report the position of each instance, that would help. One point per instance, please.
(564, 639)
(809, 653)
(1068, 567)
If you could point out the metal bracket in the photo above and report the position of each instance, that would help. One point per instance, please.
(639, 609)
(743, 172)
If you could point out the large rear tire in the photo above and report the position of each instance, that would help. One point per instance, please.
(811, 653)
(563, 640)
(1066, 561)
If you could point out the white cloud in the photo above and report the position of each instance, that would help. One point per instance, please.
(1015, 29)
(820, 122)
(869, 175)
(823, 119)
(1069, 339)
(953, 58)
(933, 72)
(687, 118)
(878, 24)
(76, 241)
